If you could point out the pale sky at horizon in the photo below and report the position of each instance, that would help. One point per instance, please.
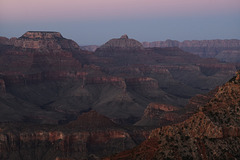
(96, 21)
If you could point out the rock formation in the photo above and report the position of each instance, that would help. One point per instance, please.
(90, 136)
(47, 79)
(52, 75)
(224, 50)
(44, 40)
(122, 43)
(211, 133)
(158, 115)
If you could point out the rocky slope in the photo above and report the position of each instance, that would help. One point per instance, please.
(224, 50)
(211, 133)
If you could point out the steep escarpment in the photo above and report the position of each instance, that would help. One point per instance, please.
(224, 50)
(211, 133)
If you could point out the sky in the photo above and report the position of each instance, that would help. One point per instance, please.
(91, 22)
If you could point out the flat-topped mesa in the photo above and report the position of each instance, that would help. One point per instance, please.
(45, 40)
(41, 35)
(122, 43)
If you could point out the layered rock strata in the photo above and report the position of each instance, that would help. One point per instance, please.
(211, 133)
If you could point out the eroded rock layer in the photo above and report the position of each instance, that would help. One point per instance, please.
(211, 133)
(91, 136)
(53, 80)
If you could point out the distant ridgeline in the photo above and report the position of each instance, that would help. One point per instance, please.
(225, 50)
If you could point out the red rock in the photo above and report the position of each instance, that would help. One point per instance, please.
(205, 134)
(159, 114)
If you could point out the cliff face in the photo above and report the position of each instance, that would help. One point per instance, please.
(211, 133)
(90, 136)
(224, 50)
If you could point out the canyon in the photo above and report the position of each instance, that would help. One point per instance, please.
(213, 132)
(58, 101)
